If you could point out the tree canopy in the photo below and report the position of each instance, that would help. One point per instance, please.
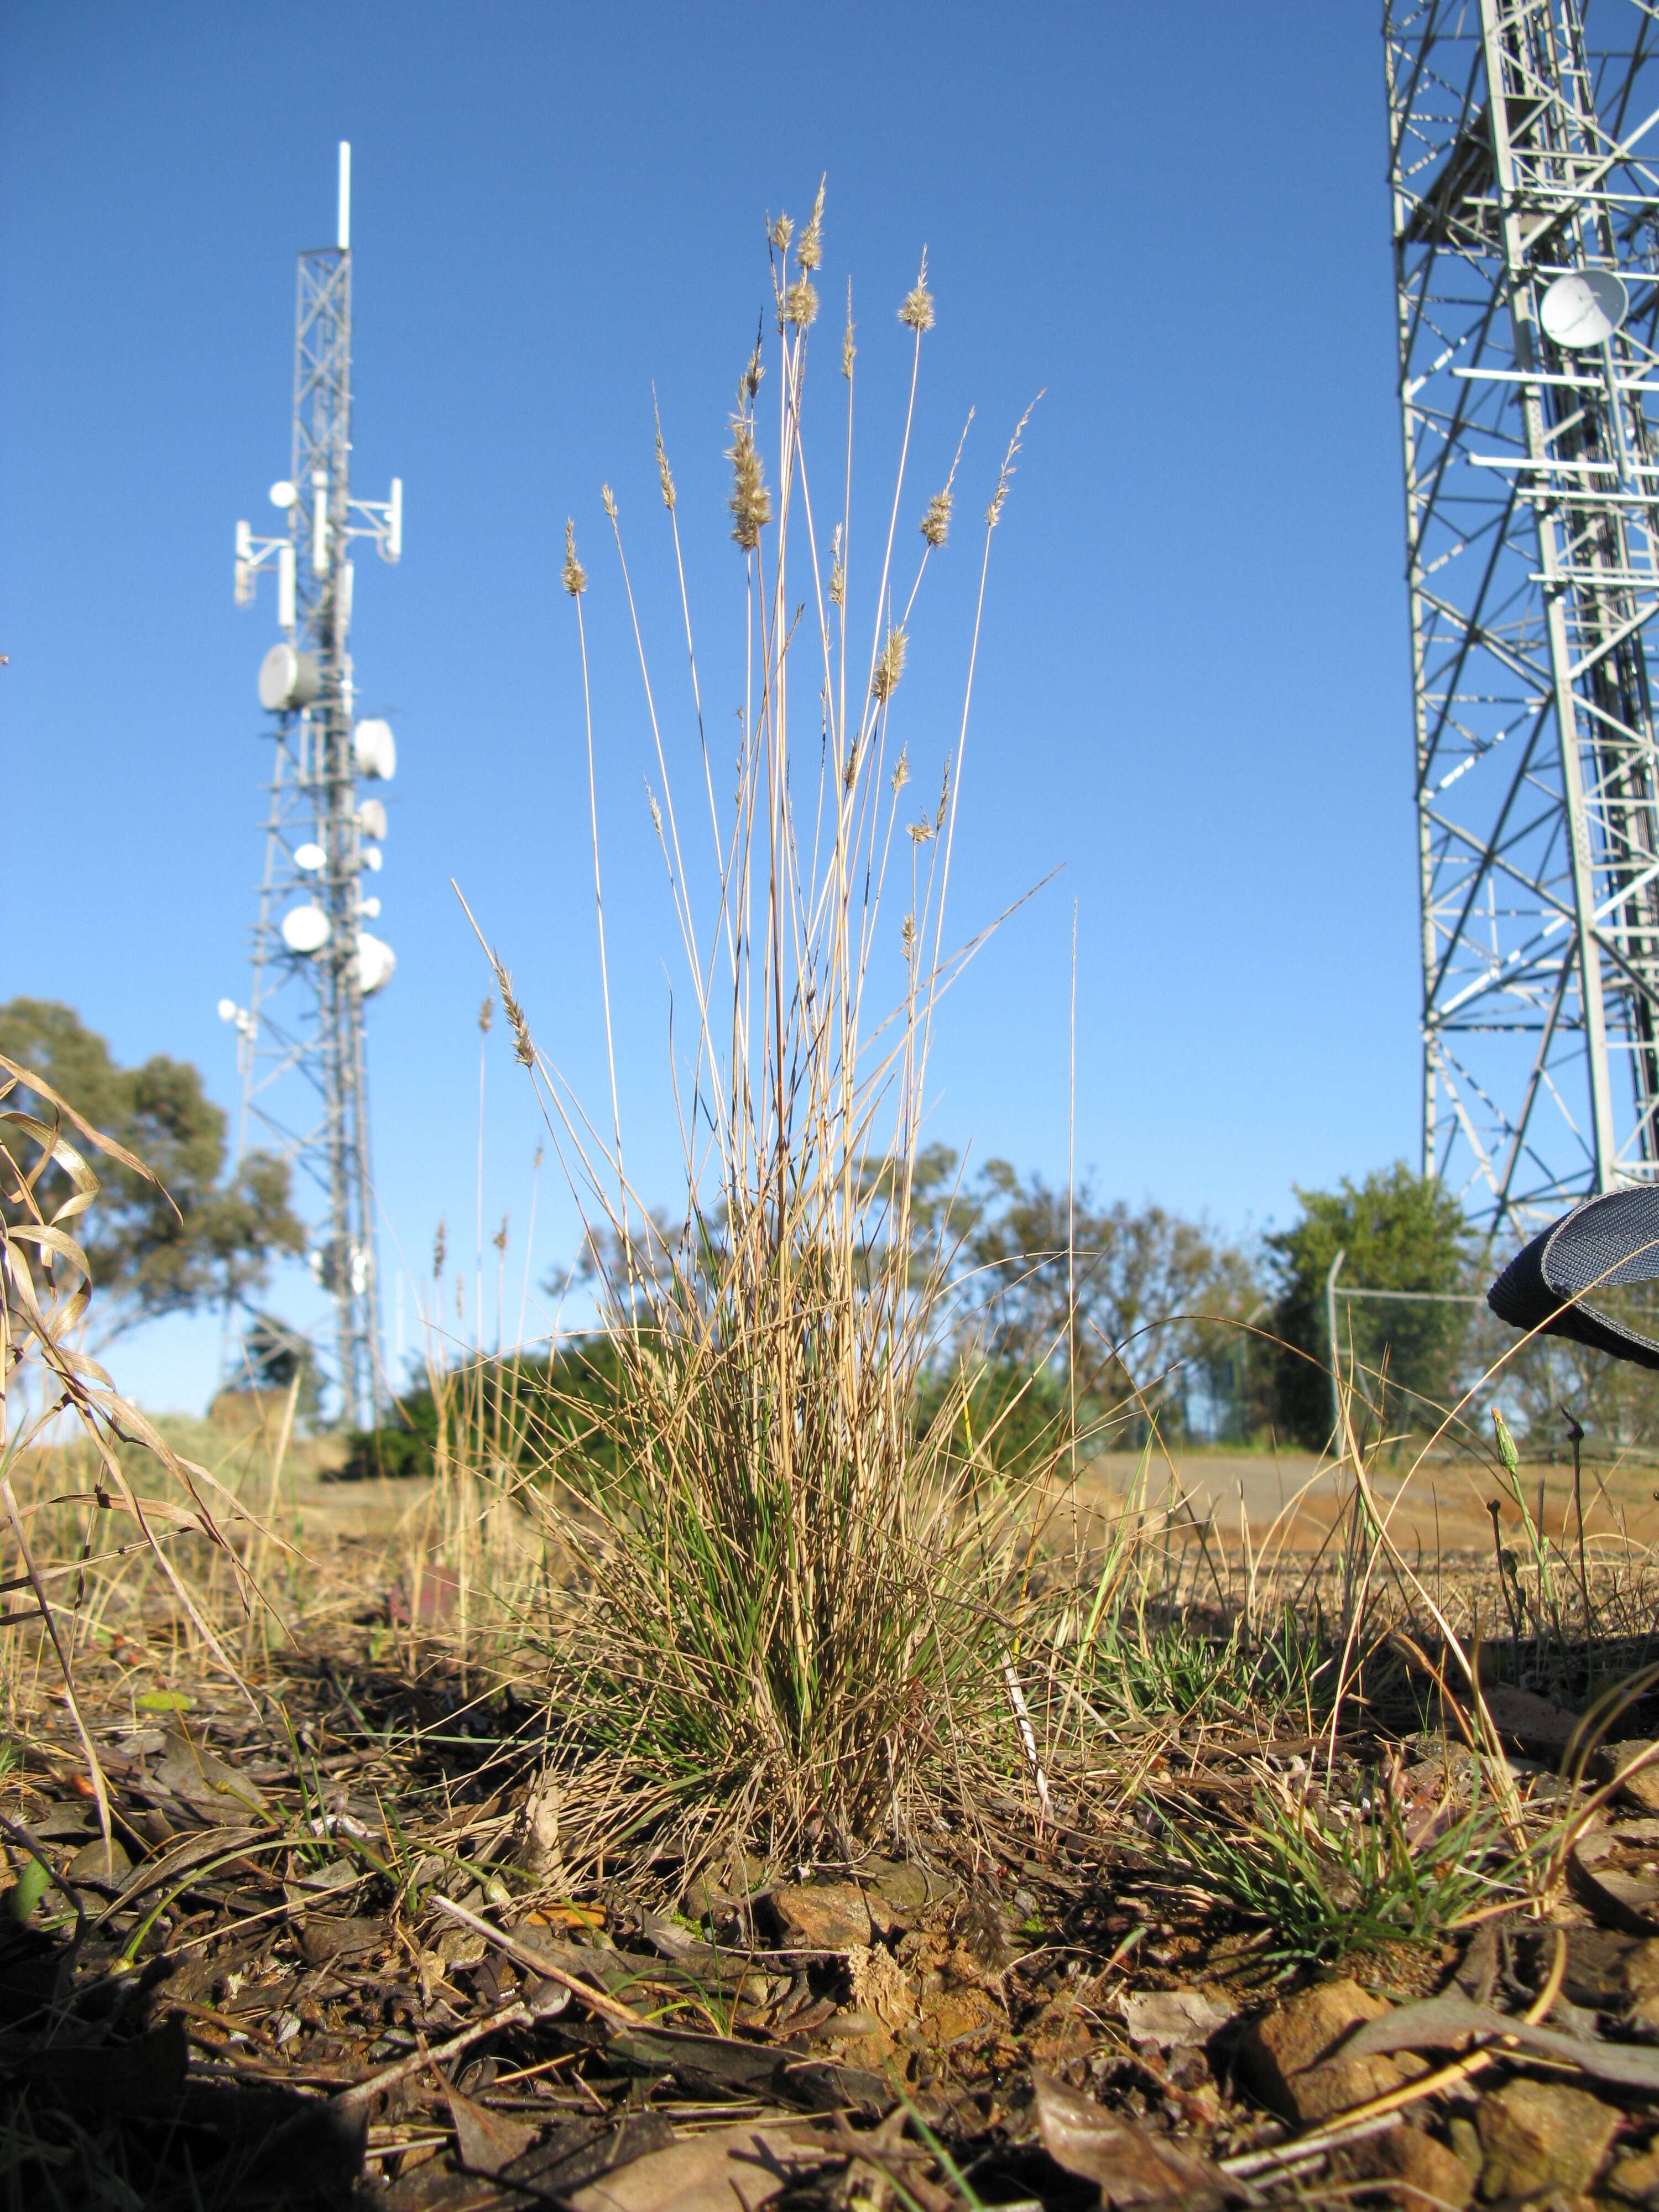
(218, 1235)
(1399, 1231)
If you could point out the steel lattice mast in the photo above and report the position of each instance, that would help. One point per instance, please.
(304, 1077)
(1524, 151)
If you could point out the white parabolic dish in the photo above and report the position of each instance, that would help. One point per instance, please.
(376, 750)
(304, 928)
(1583, 309)
(375, 961)
(309, 857)
(371, 818)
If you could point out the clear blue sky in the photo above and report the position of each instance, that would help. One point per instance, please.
(1194, 694)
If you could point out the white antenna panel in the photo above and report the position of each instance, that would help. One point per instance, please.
(309, 857)
(375, 749)
(371, 818)
(288, 679)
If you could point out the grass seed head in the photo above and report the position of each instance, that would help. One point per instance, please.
(440, 1250)
(486, 1015)
(889, 668)
(837, 572)
(918, 309)
(901, 772)
(848, 350)
(608, 502)
(936, 523)
(810, 252)
(780, 233)
(801, 304)
(524, 1051)
(751, 501)
(664, 476)
(574, 576)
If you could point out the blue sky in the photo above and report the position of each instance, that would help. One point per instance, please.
(1193, 696)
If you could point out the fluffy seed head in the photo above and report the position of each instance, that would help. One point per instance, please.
(810, 252)
(609, 499)
(901, 772)
(486, 1015)
(918, 308)
(936, 523)
(574, 576)
(847, 349)
(837, 572)
(889, 668)
(800, 303)
(780, 233)
(751, 501)
(440, 1250)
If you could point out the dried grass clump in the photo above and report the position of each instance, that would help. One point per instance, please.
(47, 1381)
(788, 1613)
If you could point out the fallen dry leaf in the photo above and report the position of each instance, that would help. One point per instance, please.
(728, 2170)
(487, 2141)
(1131, 2166)
(1441, 2023)
(1175, 2017)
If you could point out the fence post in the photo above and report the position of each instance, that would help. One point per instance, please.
(1330, 1322)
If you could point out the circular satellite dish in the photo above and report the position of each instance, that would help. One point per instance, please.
(305, 929)
(373, 858)
(283, 493)
(309, 857)
(375, 961)
(288, 679)
(371, 818)
(375, 748)
(1583, 309)
(227, 1010)
(370, 907)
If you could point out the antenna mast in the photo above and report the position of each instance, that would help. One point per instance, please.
(1524, 166)
(300, 1036)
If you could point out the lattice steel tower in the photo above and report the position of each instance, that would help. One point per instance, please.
(305, 1090)
(1526, 230)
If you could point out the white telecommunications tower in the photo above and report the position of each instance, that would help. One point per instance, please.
(1524, 165)
(300, 1036)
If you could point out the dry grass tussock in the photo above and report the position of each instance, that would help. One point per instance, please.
(780, 1609)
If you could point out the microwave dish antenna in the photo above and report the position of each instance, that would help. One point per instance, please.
(1583, 309)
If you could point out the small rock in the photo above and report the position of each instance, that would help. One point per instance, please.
(1641, 1787)
(1598, 1967)
(1636, 2177)
(1465, 2145)
(827, 1916)
(1424, 2173)
(1284, 2055)
(1542, 2134)
(894, 1895)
